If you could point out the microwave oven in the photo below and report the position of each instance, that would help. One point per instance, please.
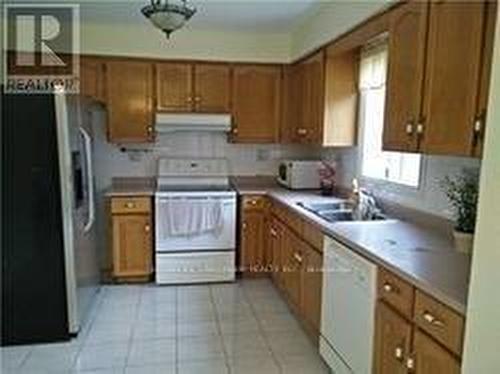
(299, 175)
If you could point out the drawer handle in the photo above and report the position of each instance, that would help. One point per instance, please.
(147, 228)
(297, 258)
(130, 205)
(273, 232)
(432, 320)
(399, 353)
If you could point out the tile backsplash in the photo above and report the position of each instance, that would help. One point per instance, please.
(140, 160)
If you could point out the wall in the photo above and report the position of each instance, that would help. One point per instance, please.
(331, 20)
(428, 197)
(146, 41)
(482, 335)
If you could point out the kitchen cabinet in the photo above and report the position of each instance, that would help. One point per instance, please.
(429, 357)
(129, 88)
(256, 103)
(174, 85)
(187, 87)
(253, 234)
(392, 341)
(439, 65)
(425, 339)
(212, 93)
(321, 100)
(452, 76)
(131, 237)
(92, 74)
(312, 283)
(275, 249)
(293, 259)
(407, 51)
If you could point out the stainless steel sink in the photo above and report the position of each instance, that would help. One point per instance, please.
(338, 211)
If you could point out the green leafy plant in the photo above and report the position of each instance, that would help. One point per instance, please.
(462, 192)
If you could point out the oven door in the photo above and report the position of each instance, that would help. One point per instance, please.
(223, 239)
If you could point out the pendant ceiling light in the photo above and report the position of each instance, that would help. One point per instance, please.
(167, 15)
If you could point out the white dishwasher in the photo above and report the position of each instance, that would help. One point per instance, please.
(347, 310)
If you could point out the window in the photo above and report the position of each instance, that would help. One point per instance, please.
(401, 168)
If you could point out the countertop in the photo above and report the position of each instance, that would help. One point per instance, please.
(132, 186)
(422, 255)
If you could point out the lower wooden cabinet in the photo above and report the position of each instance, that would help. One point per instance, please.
(312, 284)
(131, 238)
(274, 250)
(253, 235)
(392, 341)
(401, 344)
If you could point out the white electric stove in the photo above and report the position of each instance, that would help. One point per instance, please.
(187, 191)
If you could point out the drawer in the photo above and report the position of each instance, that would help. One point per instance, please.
(251, 202)
(124, 205)
(395, 292)
(313, 236)
(439, 321)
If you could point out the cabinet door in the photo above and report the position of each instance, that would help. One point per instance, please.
(392, 341)
(132, 248)
(292, 267)
(129, 99)
(452, 76)
(275, 245)
(312, 84)
(290, 104)
(312, 281)
(487, 56)
(256, 103)
(431, 358)
(92, 78)
(407, 47)
(252, 241)
(212, 88)
(174, 87)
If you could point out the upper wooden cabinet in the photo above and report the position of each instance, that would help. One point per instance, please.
(407, 48)
(256, 106)
(439, 66)
(174, 86)
(212, 88)
(92, 83)
(185, 87)
(129, 86)
(321, 100)
(452, 76)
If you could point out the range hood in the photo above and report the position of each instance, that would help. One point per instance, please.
(176, 122)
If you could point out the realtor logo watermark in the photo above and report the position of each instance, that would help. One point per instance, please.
(42, 43)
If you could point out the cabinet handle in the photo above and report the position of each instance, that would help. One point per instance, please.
(399, 353)
(253, 202)
(297, 257)
(235, 130)
(130, 205)
(189, 99)
(273, 232)
(197, 99)
(478, 127)
(410, 364)
(420, 133)
(432, 320)
(147, 228)
(301, 131)
(409, 128)
(150, 130)
(244, 226)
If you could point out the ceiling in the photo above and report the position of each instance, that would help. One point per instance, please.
(269, 16)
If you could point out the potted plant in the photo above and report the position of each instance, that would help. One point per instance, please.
(327, 178)
(462, 193)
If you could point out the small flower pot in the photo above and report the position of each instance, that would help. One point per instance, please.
(463, 241)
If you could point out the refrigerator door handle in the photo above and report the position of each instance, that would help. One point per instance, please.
(90, 177)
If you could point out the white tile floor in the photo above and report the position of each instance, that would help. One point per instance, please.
(229, 328)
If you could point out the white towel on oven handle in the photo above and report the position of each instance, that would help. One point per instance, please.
(190, 217)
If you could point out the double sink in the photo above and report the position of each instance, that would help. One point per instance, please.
(341, 211)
